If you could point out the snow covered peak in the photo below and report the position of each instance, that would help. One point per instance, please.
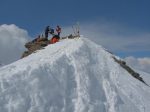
(73, 75)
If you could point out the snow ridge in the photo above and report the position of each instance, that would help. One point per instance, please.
(73, 75)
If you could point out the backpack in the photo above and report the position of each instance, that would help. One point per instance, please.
(51, 31)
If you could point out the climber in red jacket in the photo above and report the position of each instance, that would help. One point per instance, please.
(58, 30)
(54, 39)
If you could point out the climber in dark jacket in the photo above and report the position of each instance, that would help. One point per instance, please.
(47, 30)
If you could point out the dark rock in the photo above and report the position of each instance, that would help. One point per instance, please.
(70, 37)
(123, 62)
(130, 70)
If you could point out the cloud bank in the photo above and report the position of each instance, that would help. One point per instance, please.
(139, 63)
(118, 39)
(12, 40)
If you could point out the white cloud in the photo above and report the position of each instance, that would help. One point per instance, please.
(115, 37)
(139, 63)
(12, 40)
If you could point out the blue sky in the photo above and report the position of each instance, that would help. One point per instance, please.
(128, 15)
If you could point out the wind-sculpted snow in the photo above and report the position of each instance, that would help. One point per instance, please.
(73, 75)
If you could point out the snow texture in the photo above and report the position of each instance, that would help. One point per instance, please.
(73, 75)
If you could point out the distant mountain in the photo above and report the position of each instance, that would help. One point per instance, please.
(73, 75)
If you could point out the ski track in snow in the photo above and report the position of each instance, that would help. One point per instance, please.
(73, 75)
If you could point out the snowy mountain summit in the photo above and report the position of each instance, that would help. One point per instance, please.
(73, 75)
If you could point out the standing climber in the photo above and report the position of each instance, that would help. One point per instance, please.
(47, 30)
(58, 30)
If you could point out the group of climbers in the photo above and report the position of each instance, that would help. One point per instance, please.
(55, 35)
(52, 32)
(43, 40)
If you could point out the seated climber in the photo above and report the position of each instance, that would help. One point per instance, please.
(54, 39)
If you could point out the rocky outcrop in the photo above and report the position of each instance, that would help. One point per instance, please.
(33, 46)
(39, 43)
(130, 70)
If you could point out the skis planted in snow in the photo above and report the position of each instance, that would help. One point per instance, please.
(76, 29)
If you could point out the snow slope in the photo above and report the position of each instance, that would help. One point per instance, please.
(73, 75)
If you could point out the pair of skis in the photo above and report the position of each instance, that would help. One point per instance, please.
(76, 29)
